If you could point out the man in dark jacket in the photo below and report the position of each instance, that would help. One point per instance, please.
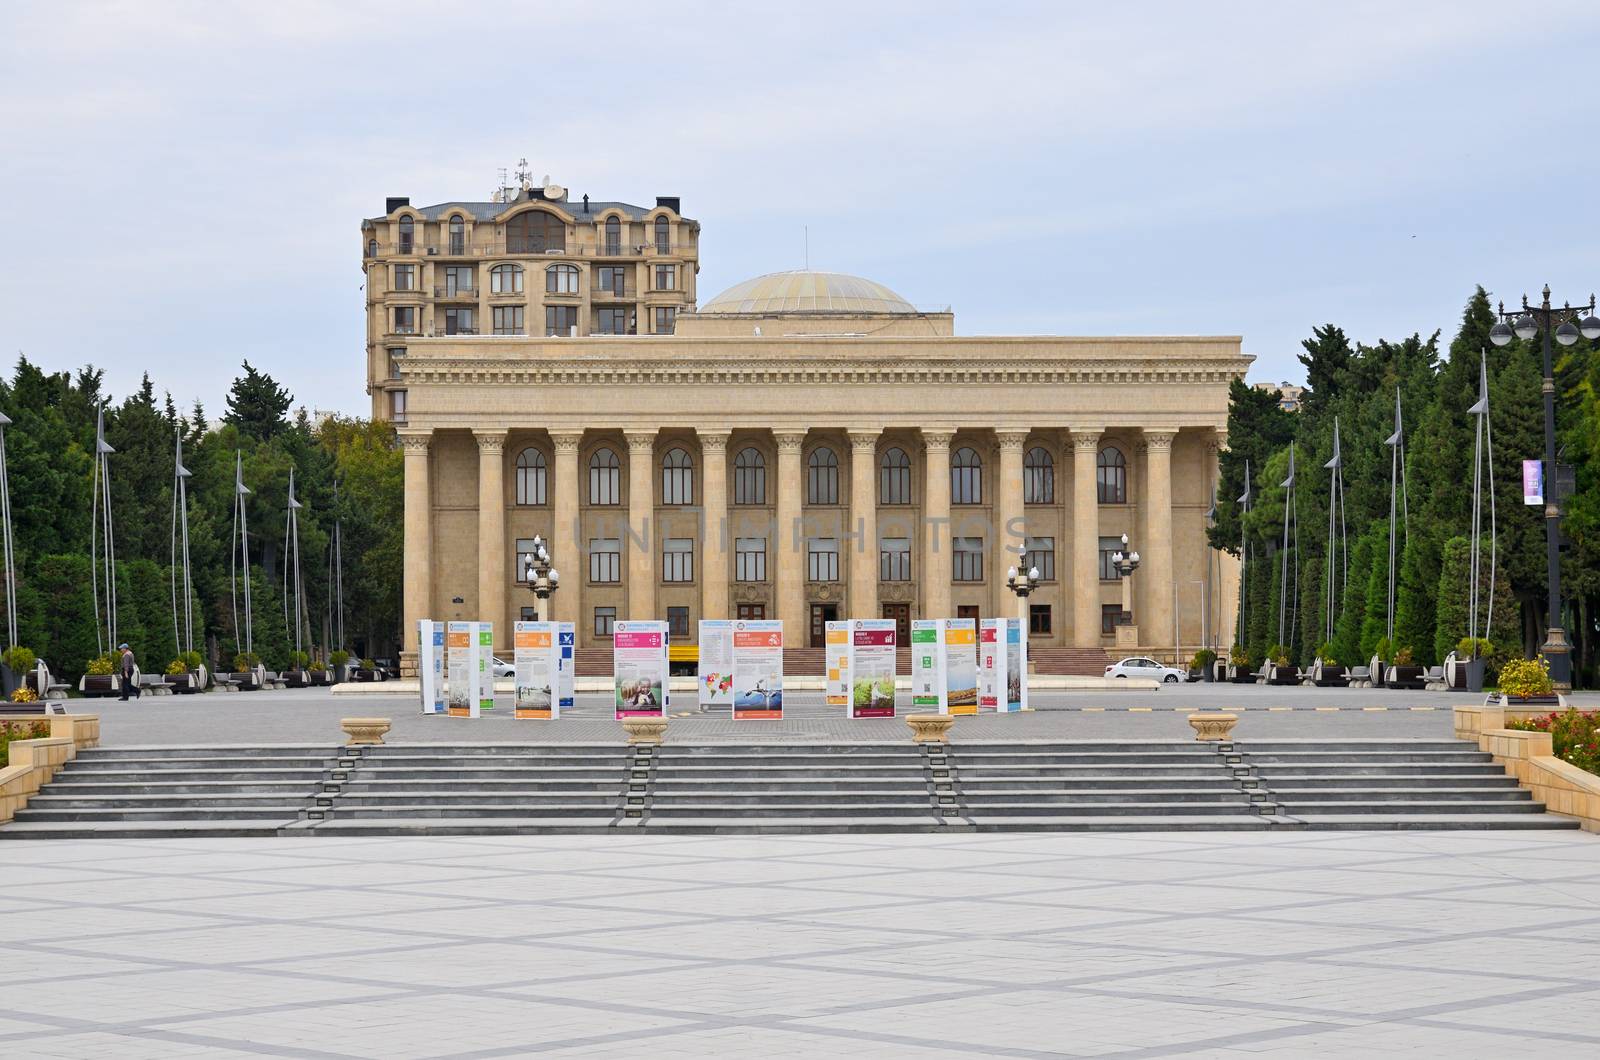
(127, 673)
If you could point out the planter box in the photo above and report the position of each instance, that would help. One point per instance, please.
(320, 678)
(296, 678)
(1405, 677)
(1241, 675)
(1552, 702)
(1283, 675)
(182, 684)
(98, 685)
(1332, 677)
(363, 675)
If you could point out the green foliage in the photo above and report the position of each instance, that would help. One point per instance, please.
(245, 661)
(19, 659)
(368, 664)
(1326, 654)
(1238, 656)
(256, 405)
(1278, 655)
(1202, 659)
(298, 660)
(191, 660)
(176, 667)
(338, 657)
(317, 666)
(101, 666)
(1404, 656)
(1574, 735)
(1473, 648)
(1526, 677)
(1384, 651)
(1455, 582)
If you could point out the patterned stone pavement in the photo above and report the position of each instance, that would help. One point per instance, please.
(1184, 944)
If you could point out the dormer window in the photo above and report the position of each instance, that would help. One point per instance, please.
(458, 235)
(663, 236)
(408, 235)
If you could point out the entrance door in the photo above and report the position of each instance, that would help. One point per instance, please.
(821, 615)
(968, 611)
(901, 613)
(752, 612)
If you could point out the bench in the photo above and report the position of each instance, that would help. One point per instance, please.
(1360, 677)
(1433, 679)
(154, 684)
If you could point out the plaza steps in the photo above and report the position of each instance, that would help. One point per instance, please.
(425, 789)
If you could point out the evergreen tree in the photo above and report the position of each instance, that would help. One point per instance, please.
(256, 405)
(1455, 583)
(1327, 361)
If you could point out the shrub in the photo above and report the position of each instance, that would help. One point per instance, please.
(191, 660)
(19, 659)
(298, 660)
(1384, 649)
(27, 730)
(1325, 653)
(1403, 656)
(1526, 677)
(339, 657)
(24, 694)
(101, 666)
(1238, 656)
(176, 667)
(246, 660)
(1574, 735)
(317, 666)
(1202, 659)
(1473, 647)
(1278, 654)
(368, 664)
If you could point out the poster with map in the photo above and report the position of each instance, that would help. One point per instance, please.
(714, 684)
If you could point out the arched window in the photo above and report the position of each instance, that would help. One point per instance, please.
(534, 232)
(966, 477)
(372, 248)
(561, 279)
(663, 236)
(822, 477)
(408, 234)
(750, 477)
(605, 478)
(894, 477)
(1111, 472)
(505, 279)
(613, 235)
(677, 478)
(1038, 477)
(530, 477)
(458, 235)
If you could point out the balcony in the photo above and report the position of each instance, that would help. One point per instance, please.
(456, 293)
(442, 331)
(538, 247)
(615, 293)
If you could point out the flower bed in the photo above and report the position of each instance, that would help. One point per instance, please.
(20, 730)
(1574, 735)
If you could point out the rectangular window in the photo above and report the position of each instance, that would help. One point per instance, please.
(750, 559)
(677, 559)
(968, 559)
(1041, 553)
(614, 279)
(604, 619)
(678, 623)
(614, 321)
(457, 280)
(397, 406)
(666, 319)
(560, 319)
(405, 277)
(605, 560)
(460, 321)
(508, 320)
(1110, 619)
(666, 277)
(523, 557)
(397, 354)
(1038, 620)
(528, 614)
(822, 559)
(1108, 546)
(894, 559)
(405, 320)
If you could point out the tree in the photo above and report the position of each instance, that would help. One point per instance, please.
(1327, 361)
(256, 405)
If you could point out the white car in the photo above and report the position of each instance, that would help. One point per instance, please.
(503, 669)
(1139, 666)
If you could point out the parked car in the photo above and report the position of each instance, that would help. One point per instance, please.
(1139, 666)
(503, 669)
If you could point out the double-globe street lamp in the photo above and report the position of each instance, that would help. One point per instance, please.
(1564, 326)
(1125, 563)
(1022, 583)
(542, 578)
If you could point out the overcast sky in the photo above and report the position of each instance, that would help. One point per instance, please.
(183, 182)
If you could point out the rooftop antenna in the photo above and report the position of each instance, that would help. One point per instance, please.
(183, 633)
(102, 545)
(5, 526)
(808, 247)
(524, 175)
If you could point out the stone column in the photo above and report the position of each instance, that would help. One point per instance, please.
(936, 544)
(492, 531)
(863, 530)
(1085, 539)
(566, 545)
(714, 537)
(1156, 568)
(788, 556)
(639, 540)
(1010, 518)
(418, 582)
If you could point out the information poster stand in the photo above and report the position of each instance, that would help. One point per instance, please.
(483, 637)
(715, 674)
(1016, 666)
(639, 661)
(961, 665)
(430, 665)
(927, 665)
(836, 646)
(872, 667)
(537, 661)
(566, 680)
(758, 669)
(992, 664)
(463, 702)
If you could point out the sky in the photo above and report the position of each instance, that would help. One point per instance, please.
(183, 183)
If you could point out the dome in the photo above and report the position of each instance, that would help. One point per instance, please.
(802, 291)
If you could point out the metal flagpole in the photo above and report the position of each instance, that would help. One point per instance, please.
(294, 542)
(1337, 550)
(1244, 552)
(5, 519)
(1283, 575)
(242, 527)
(102, 547)
(183, 633)
(1397, 469)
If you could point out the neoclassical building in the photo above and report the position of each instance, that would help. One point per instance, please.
(804, 446)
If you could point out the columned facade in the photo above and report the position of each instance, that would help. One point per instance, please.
(416, 593)
(1085, 539)
(639, 542)
(786, 542)
(565, 545)
(1161, 590)
(1010, 518)
(936, 565)
(492, 557)
(715, 531)
(862, 536)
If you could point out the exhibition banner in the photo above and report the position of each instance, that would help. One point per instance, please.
(961, 665)
(463, 702)
(927, 665)
(716, 664)
(1016, 666)
(484, 638)
(566, 679)
(639, 661)
(430, 665)
(836, 644)
(992, 664)
(537, 660)
(758, 669)
(872, 667)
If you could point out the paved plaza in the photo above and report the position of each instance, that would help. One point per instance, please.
(1181, 944)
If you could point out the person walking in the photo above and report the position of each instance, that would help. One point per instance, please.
(127, 673)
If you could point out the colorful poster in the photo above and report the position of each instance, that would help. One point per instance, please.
(872, 667)
(927, 665)
(483, 637)
(537, 660)
(1016, 667)
(715, 682)
(639, 661)
(430, 665)
(1533, 482)
(566, 679)
(758, 669)
(463, 701)
(836, 645)
(961, 665)
(992, 664)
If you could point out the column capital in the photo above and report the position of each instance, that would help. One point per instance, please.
(567, 442)
(1219, 438)
(1159, 441)
(865, 438)
(415, 441)
(1011, 440)
(490, 441)
(937, 438)
(641, 441)
(790, 441)
(1086, 439)
(713, 441)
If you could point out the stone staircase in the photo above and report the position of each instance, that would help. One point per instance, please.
(743, 788)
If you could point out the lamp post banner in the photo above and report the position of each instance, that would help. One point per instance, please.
(715, 684)
(836, 648)
(758, 669)
(639, 660)
(872, 667)
(537, 660)
(1533, 482)
(961, 665)
(430, 665)
(566, 679)
(463, 701)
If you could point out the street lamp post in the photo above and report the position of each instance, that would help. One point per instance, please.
(1550, 322)
(1022, 583)
(542, 578)
(1125, 563)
